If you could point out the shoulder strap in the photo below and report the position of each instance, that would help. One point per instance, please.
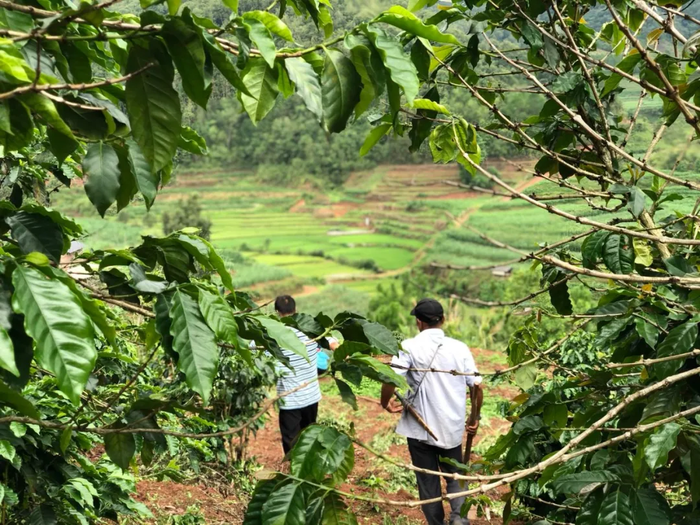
(415, 392)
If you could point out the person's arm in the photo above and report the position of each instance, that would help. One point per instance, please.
(476, 396)
(387, 399)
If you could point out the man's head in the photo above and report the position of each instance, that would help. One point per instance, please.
(428, 314)
(285, 305)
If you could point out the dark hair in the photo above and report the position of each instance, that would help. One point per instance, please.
(285, 304)
(435, 322)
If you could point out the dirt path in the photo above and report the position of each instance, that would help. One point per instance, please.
(371, 477)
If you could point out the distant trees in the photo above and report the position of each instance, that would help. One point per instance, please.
(187, 215)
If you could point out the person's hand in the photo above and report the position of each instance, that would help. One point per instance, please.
(334, 345)
(472, 426)
(394, 407)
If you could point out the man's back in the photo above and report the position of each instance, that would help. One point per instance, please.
(441, 398)
(302, 371)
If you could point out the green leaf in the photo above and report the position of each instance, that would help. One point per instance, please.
(590, 509)
(399, 64)
(36, 233)
(218, 264)
(11, 398)
(369, 66)
(192, 141)
(525, 376)
(416, 5)
(218, 315)
(373, 137)
(346, 393)
(146, 180)
(194, 343)
(527, 424)
(185, 45)
(46, 109)
(101, 165)
(380, 337)
(7, 353)
(19, 430)
(400, 17)
(678, 341)
(618, 254)
(127, 183)
(424, 103)
(120, 448)
(263, 489)
(90, 305)
(284, 336)
(286, 505)
(321, 452)
(261, 37)
(647, 331)
(65, 439)
(43, 515)
(561, 301)
(173, 6)
(153, 106)
(63, 334)
(642, 252)
(61, 146)
(615, 509)
(16, 20)
(336, 512)
(660, 444)
(261, 81)
(678, 266)
(340, 90)
(307, 84)
(636, 202)
(650, 508)
(271, 22)
(626, 65)
(378, 371)
(575, 483)
(13, 69)
(223, 63)
(7, 451)
(232, 5)
(556, 415)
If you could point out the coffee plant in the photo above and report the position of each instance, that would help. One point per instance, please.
(140, 349)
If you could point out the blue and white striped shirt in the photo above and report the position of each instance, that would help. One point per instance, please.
(302, 371)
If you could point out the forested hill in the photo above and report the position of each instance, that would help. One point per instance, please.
(292, 149)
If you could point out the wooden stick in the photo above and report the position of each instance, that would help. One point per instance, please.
(416, 415)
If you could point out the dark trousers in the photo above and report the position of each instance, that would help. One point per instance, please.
(429, 486)
(292, 422)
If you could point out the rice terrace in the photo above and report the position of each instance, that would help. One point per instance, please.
(345, 262)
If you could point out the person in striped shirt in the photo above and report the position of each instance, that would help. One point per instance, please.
(299, 409)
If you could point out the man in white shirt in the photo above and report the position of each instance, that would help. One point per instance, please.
(441, 401)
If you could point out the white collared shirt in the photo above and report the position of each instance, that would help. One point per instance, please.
(442, 398)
